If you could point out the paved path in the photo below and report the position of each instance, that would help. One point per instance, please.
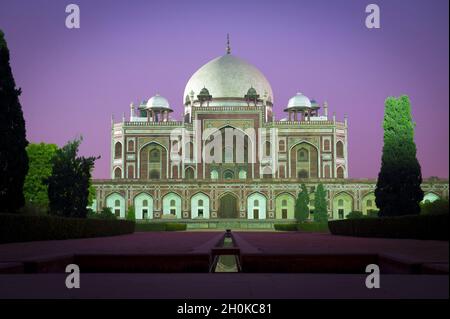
(425, 251)
(240, 285)
(137, 243)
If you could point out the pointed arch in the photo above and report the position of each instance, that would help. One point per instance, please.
(340, 172)
(304, 169)
(284, 206)
(143, 204)
(256, 206)
(430, 197)
(228, 205)
(118, 150)
(151, 169)
(368, 202)
(172, 205)
(200, 205)
(343, 204)
(116, 202)
(117, 173)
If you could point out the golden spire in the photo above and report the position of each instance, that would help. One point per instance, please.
(228, 44)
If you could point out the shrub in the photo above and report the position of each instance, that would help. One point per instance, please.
(34, 209)
(150, 227)
(355, 214)
(105, 213)
(372, 213)
(20, 228)
(285, 227)
(439, 206)
(160, 227)
(429, 226)
(91, 213)
(313, 227)
(175, 226)
(131, 213)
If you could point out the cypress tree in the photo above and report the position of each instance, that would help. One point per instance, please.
(13, 155)
(301, 205)
(398, 189)
(320, 204)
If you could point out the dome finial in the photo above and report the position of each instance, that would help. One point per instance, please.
(228, 44)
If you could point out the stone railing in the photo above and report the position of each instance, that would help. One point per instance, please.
(168, 123)
(303, 123)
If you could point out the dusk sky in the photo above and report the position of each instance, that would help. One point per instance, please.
(74, 79)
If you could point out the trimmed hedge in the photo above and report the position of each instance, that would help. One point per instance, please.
(434, 227)
(306, 227)
(160, 227)
(313, 227)
(20, 228)
(285, 227)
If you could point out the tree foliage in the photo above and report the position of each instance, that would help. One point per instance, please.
(131, 215)
(320, 204)
(13, 156)
(301, 205)
(40, 162)
(68, 186)
(398, 189)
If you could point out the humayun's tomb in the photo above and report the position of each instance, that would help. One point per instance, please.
(229, 158)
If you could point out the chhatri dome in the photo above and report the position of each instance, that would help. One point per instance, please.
(299, 101)
(157, 102)
(228, 76)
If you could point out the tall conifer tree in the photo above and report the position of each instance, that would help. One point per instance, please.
(320, 204)
(301, 205)
(13, 155)
(398, 189)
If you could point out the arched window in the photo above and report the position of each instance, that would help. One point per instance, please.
(214, 174)
(282, 146)
(302, 155)
(284, 202)
(340, 172)
(172, 202)
(256, 203)
(341, 202)
(145, 203)
(340, 149)
(130, 145)
(189, 173)
(200, 202)
(154, 156)
(118, 150)
(117, 172)
(117, 202)
(267, 148)
(228, 174)
(326, 145)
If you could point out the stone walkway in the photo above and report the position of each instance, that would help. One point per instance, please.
(241, 285)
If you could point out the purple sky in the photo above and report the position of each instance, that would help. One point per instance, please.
(73, 80)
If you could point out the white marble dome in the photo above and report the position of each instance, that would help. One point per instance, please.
(158, 102)
(228, 77)
(299, 101)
